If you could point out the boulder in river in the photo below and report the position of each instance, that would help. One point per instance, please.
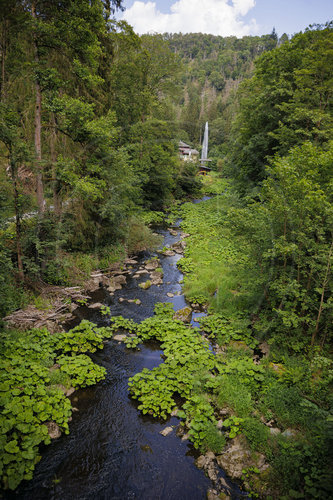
(96, 305)
(150, 266)
(114, 286)
(213, 495)
(179, 246)
(156, 278)
(184, 314)
(53, 429)
(145, 285)
(92, 285)
(130, 261)
(121, 279)
(120, 338)
(166, 431)
(168, 253)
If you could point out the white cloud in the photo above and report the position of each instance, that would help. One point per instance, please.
(219, 17)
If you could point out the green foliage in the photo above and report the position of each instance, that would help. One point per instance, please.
(225, 330)
(12, 296)
(85, 337)
(302, 467)
(81, 370)
(151, 218)
(290, 409)
(201, 420)
(153, 158)
(31, 390)
(139, 237)
(256, 433)
(247, 372)
(185, 265)
(234, 424)
(232, 393)
(282, 105)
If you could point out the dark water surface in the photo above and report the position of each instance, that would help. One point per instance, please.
(113, 451)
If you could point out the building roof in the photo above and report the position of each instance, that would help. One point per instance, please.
(184, 145)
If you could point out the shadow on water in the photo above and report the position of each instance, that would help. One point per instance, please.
(113, 451)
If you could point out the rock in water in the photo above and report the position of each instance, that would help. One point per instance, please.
(145, 285)
(97, 305)
(120, 338)
(166, 431)
(120, 280)
(184, 314)
(53, 430)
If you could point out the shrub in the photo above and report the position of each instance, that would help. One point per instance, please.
(139, 237)
(256, 433)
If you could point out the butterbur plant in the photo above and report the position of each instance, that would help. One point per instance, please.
(32, 366)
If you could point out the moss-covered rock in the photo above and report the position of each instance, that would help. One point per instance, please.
(184, 314)
(145, 285)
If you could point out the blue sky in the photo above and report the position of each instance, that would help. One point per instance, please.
(226, 17)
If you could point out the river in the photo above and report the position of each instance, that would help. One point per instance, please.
(113, 451)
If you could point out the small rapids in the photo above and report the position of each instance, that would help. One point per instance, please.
(113, 451)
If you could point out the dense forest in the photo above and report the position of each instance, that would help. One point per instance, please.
(90, 119)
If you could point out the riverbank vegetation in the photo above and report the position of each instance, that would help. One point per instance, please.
(37, 372)
(281, 401)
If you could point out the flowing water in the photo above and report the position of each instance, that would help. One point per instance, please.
(113, 451)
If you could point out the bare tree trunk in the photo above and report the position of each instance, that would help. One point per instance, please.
(13, 172)
(327, 273)
(38, 132)
(3, 61)
(53, 141)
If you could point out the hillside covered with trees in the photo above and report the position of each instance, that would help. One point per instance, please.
(90, 119)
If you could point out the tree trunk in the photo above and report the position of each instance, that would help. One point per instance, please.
(13, 172)
(3, 59)
(327, 273)
(53, 154)
(38, 131)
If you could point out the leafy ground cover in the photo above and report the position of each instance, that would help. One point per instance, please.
(290, 391)
(36, 370)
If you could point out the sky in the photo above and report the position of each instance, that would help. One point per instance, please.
(225, 17)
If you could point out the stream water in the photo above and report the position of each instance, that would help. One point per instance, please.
(113, 451)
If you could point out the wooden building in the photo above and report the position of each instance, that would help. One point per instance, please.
(186, 153)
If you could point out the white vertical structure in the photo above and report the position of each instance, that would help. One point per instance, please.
(204, 152)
